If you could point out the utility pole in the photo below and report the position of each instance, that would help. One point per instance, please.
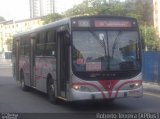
(145, 32)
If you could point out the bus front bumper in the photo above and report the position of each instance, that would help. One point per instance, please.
(76, 95)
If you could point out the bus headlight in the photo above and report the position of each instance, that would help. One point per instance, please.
(76, 87)
(79, 87)
(136, 85)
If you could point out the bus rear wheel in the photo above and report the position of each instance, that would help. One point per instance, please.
(51, 91)
(22, 82)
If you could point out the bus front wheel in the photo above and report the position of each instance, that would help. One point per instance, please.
(51, 91)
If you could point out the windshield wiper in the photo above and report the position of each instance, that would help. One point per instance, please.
(99, 41)
(115, 43)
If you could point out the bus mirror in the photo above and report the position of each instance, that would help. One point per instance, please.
(53, 53)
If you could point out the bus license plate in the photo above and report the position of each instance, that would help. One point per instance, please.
(133, 93)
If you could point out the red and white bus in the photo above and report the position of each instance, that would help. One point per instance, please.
(81, 58)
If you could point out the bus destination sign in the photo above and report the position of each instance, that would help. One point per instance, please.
(112, 23)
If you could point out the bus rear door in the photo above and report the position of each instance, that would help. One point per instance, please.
(32, 62)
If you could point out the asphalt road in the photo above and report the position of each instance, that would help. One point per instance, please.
(14, 100)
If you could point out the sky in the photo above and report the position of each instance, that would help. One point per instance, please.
(14, 9)
(19, 9)
(62, 5)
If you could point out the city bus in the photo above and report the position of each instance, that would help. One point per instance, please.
(81, 58)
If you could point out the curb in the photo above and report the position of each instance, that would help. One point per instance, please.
(151, 87)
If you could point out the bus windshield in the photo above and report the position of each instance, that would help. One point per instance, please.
(96, 51)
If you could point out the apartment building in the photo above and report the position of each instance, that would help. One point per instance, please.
(40, 8)
(9, 28)
(156, 13)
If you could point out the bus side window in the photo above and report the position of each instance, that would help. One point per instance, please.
(42, 38)
(27, 46)
(51, 36)
(22, 45)
(37, 43)
(37, 38)
(40, 44)
(50, 44)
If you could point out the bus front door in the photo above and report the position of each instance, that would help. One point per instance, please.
(62, 64)
(32, 63)
(17, 61)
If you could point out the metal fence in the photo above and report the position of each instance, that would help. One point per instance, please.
(151, 66)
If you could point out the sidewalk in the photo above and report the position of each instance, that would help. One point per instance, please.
(151, 87)
(5, 61)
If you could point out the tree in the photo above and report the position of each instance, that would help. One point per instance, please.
(139, 9)
(52, 17)
(96, 7)
(142, 10)
(78, 10)
(150, 37)
(9, 42)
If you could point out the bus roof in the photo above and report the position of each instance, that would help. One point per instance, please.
(104, 16)
(67, 21)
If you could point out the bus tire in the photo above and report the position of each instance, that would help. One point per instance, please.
(110, 100)
(51, 91)
(22, 82)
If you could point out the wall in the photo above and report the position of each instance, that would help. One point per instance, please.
(151, 66)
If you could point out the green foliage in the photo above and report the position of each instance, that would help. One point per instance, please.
(51, 18)
(78, 10)
(96, 7)
(9, 41)
(150, 37)
(139, 9)
(142, 10)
